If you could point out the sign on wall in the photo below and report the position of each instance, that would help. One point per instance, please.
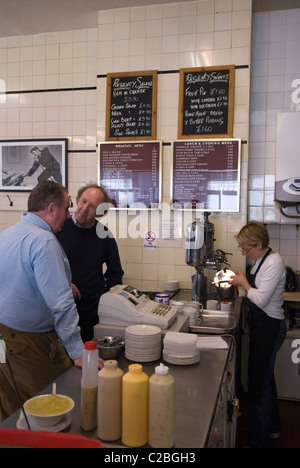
(206, 174)
(131, 106)
(206, 100)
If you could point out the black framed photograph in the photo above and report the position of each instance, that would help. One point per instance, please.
(25, 163)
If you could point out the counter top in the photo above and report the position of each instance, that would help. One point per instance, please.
(197, 389)
(291, 296)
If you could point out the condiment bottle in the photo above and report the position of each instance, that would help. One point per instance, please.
(89, 392)
(110, 401)
(135, 407)
(161, 408)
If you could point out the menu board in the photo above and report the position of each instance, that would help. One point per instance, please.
(131, 106)
(206, 174)
(206, 102)
(131, 173)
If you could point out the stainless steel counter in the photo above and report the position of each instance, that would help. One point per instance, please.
(197, 392)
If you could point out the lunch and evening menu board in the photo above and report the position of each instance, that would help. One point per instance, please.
(131, 106)
(131, 173)
(206, 102)
(206, 174)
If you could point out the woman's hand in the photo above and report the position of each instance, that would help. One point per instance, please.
(240, 280)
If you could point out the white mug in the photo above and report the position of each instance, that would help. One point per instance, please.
(226, 306)
(212, 305)
(179, 306)
(192, 314)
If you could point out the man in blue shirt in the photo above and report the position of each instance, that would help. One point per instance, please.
(38, 315)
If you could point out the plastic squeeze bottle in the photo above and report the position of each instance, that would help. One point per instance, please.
(110, 401)
(135, 407)
(161, 408)
(89, 392)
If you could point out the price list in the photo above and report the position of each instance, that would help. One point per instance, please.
(206, 102)
(206, 174)
(131, 173)
(131, 106)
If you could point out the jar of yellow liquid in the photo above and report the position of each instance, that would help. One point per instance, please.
(135, 407)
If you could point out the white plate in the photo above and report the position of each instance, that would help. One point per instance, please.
(143, 330)
(181, 361)
(63, 424)
(139, 358)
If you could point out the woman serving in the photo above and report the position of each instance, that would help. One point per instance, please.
(264, 284)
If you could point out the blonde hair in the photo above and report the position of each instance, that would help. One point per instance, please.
(252, 233)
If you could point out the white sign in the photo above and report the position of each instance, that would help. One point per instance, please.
(150, 239)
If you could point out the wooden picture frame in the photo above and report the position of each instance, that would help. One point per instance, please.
(131, 106)
(206, 100)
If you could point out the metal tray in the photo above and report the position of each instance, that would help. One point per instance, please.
(215, 322)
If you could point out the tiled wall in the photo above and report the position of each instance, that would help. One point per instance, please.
(275, 66)
(65, 74)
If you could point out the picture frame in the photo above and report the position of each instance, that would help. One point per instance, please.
(25, 163)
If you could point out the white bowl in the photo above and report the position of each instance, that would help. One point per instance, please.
(48, 410)
(171, 285)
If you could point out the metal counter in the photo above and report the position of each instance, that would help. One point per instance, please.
(197, 392)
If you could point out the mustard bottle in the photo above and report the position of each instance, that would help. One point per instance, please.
(135, 407)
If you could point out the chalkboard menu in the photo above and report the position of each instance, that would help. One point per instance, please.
(206, 102)
(131, 173)
(206, 174)
(131, 106)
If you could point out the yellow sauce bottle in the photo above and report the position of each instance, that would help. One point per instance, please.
(161, 408)
(135, 407)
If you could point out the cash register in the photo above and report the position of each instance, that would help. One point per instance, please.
(125, 305)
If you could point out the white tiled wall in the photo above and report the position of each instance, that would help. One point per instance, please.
(73, 65)
(275, 65)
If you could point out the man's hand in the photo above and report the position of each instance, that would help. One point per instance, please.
(78, 363)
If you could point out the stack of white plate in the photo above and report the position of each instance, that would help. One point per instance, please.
(180, 348)
(143, 343)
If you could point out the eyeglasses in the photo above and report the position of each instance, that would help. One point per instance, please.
(244, 250)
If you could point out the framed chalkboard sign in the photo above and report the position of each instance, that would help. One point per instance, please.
(131, 172)
(206, 100)
(131, 106)
(206, 174)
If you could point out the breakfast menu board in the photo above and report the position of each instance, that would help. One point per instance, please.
(131, 173)
(131, 106)
(206, 174)
(206, 102)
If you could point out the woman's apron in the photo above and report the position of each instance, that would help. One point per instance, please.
(263, 333)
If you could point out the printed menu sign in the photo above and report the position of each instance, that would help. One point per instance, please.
(131, 173)
(131, 106)
(206, 174)
(206, 102)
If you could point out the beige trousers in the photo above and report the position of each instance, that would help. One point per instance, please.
(36, 359)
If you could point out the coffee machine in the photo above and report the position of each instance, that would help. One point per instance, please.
(200, 254)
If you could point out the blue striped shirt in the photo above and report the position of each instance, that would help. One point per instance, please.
(35, 284)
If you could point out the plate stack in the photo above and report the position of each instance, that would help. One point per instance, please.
(180, 348)
(143, 343)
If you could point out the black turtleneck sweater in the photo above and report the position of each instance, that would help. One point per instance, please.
(87, 253)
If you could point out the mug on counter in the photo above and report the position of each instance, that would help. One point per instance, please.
(212, 305)
(226, 306)
(179, 306)
(193, 315)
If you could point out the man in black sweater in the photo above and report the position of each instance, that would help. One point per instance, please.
(87, 252)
